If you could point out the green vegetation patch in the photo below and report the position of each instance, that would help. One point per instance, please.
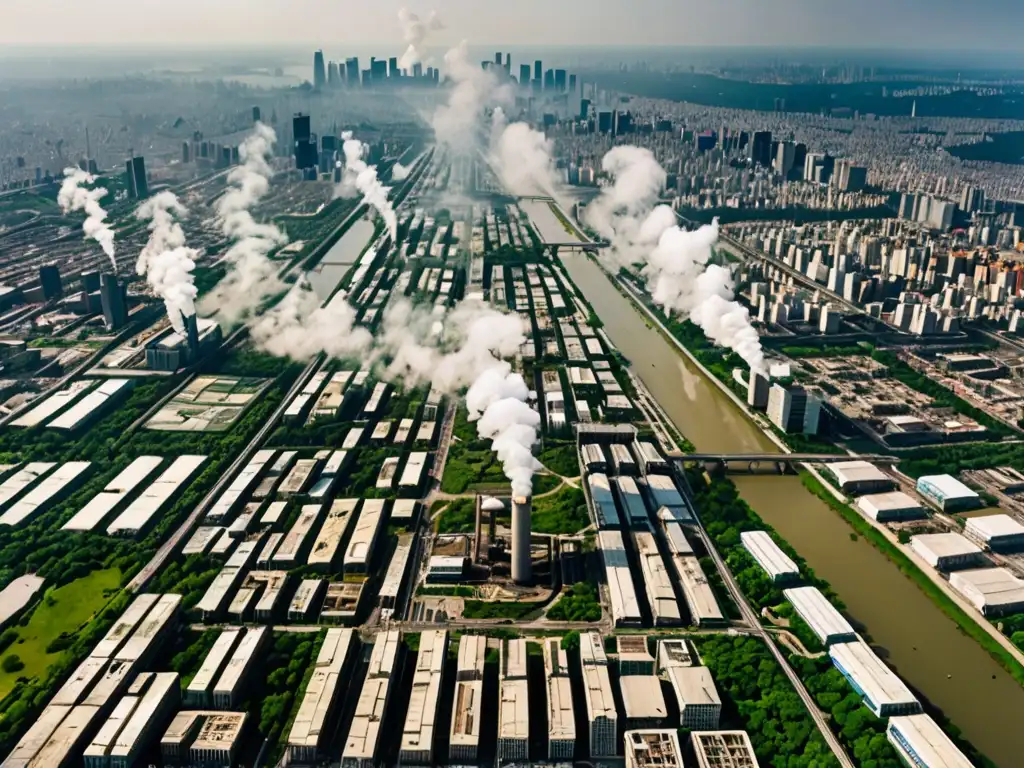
(481, 609)
(561, 459)
(579, 603)
(562, 512)
(459, 517)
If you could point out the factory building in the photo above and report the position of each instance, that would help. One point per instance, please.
(632, 503)
(364, 733)
(993, 591)
(606, 514)
(947, 493)
(723, 749)
(857, 477)
(311, 728)
(421, 716)
(177, 349)
(364, 538)
(652, 749)
(199, 737)
(889, 507)
(919, 741)
(240, 668)
(625, 608)
(643, 702)
(633, 656)
(137, 719)
(513, 704)
(674, 652)
(879, 687)
(776, 563)
(602, 718)
(820, 615)
(1000, 533)
(666, 499)
(561, 719)
(660, 595)
(199, 690)
(700, 706)
(464, 742)
(946, 551)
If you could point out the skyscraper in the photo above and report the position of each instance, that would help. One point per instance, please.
(572, 83)
(378, 71)
(508, 63)
(114, 301)
(549, 80)
(538, 71)
(49, 279)
(761, 148)
(497, 59)
(332, 74)
(186, 155)
(352, 72)
(393, 68)
(417, 70)
(524, 75)
(305, 143)
(560, 80)
(135, 173)
(256, 114)
(319, 73)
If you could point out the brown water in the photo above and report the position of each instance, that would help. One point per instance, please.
(926, 647)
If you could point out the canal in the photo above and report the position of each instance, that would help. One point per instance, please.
(325, 277)
(912, 634)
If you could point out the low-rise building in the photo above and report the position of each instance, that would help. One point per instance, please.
(857, 477)
(881, 689)
(891, 506)
(919, 741)
(820, 615)
(776, 563)
(202, 737)
(946, 551)
(723, 749)
(993, 591)
(652, 749)
(947, 493)
(700, 706)
(643, 702)
(1000, 533)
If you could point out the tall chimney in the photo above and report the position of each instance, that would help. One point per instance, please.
(192, 335)
(522, 507)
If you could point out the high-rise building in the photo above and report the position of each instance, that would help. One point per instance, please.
(352, 72)
(497, 59)
(319, 72)
(256, 115)
(186, 152)
(332, 74)
(761, 148)
(560, 80)
(524, 75)
(49, 279)
(305, 142)
(757, 390)
(393, 68)
(584, 109)
(378, 70)
(972, 199)
(572, 83)
(114, 301)
(549, 80)
(785, 157)
(135, 172)
(794, 409)
(604, 122)
(417, 70)
(538, 72)
(508, 63)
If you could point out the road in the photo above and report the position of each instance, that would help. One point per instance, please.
(185, 529)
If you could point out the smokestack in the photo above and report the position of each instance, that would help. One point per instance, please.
(522, 507)
(192, 333)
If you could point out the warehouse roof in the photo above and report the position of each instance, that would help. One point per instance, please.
(821, 616)
(994, 526)
(932, 746)
(768, 554)
(945, 544)
(857, 472)
(877, 683)
(642, 698)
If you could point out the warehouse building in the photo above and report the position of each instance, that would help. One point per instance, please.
(606, 514)
(57, 485)
(328, 477)
(289, 552)
(889, 507)
(602, 717)
(633, 656)
(561, 719)
(281, 466)
(723, 749)
(332, 532)
(305, 597)
(625, 608)
(946, 551)
(643, 702)
(464, 741)
(776, 563)
(240, 668)
(200, 737)
(653, 749)
(513, 707)
(919, 741)
(632, 503)
(421, 715)
(993, 591)
(699, 596)
(138, 718)
(391, 590)
(649, 457)
(93, 405)
(947, 493)
(364, 733)
(314, 720)
(1000, 533)
(137, 515)
(857, 477)
(667, 500)
(20, 481)
(879, 687)
(114, 495)
(593, 458)
(200, 689)
(674, 652)
(657, 584)
(820, 615)
(241, 486)
(700, 706)
(364, 538)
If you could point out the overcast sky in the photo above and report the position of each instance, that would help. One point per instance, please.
(331, 24)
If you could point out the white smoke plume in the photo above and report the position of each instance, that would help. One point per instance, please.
(415, 32)
(165, 260)
(363, 178)
(456, 122)
(300, 328)
(252, 276)
(675, 262)
(73, 197)
(523, 159)
(399, 172)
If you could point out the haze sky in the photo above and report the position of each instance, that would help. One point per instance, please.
(917, 24)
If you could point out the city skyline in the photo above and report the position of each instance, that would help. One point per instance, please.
(909, 24)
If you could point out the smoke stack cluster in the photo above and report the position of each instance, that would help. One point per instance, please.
(522, 566)
(165, 261)
(362, 178)
(73, 197)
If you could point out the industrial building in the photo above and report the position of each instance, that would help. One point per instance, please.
(946, 551)
(241, 486)
(858, 477)
(632, 503)
(776, 563)
(199, 691)
(667, 500)
(700, 706)
(136, 516)
(820, 615)
(114, 495)
(391, 590)
(674, 652)
(919, 741)
(660, 595)
(364, 734)
(137, 719)
(993, 591)
(200, 737)
(93, 405)
(63, 481)
(464, 742)
(890, 507)
(947, 493)
(561, 719)
(227, 692)
(513, 707)
(314, 720)
(633, 656)
(1000, 533)
(305, 597)
(328, 539)
(421, 715)
(364, 537)
(879, 687)
(625, 608)
(649, 457)
(723, 749)
(177, 349)
(643, 702)
(602, 717)
(652, 749)
(522, 554)
(606, 514)
(699, 596)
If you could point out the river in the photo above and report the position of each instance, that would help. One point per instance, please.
(326, 276)
(916, 638)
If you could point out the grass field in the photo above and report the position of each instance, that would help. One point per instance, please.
(62, 610)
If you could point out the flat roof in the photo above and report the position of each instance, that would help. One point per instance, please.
(653, 749)
(561, 718)
(163, 687)
(994, 526)
(892, 500)
(660, 594)
(723, 749)
(819, 614)
(124, 625)
(84, 408)
(989, 586)
(768, 554)
(338, 521)
(364, 536)
(240, 661)
(14, 485)
(421, 715)
(214, 661)
(513, 709)
(700, 597)
(396, 568)
(923, 735)
(642, 698)
(288, 551)
(113, 493)
(163, 611)
(625, 607)
(945, 544)
(137, 514)
(876, 681)
(41, 495)
(321, 690)
(16, 595)
(693, 685)
(857, 472)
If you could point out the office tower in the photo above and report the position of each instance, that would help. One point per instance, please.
(332, 74)
(135, 173)
(186, 156)
(305, 142)
(604, 122)
(794, 409)
(972, 199)
(508, 63)
(799, 158)
(560, 80)
(761, 148)
(378, 70)
(256, 115)
(524, 75)
(785, 157)
(584, 109)
(319, 73)
(114, 301)
(572, 83)
(417, 70)
(393, 68)
(537, 71)
(549, 80)
(49, 279)
(352, 72)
